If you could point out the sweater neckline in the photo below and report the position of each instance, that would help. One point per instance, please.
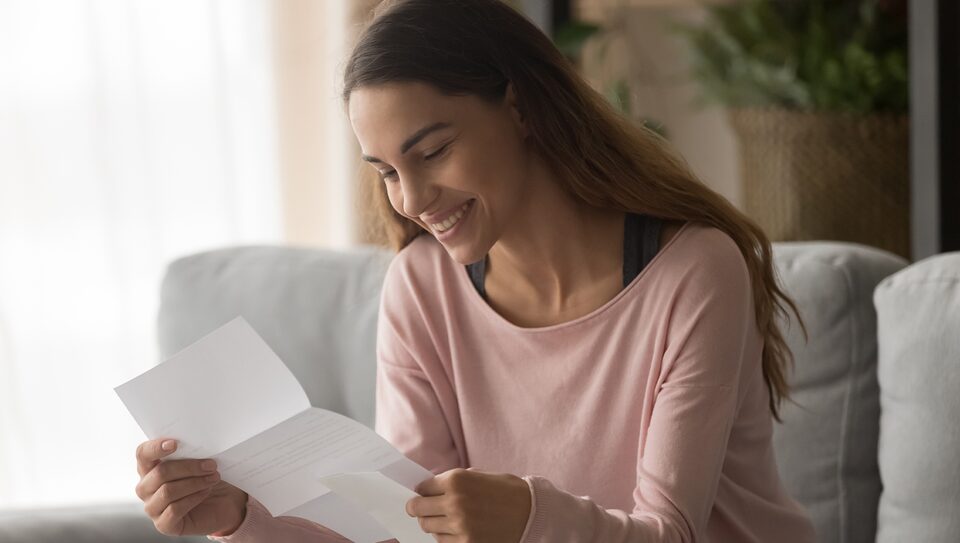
(463, 276)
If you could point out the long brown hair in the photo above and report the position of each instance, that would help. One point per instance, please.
(475, 47)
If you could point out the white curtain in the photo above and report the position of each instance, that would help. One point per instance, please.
(131, 132)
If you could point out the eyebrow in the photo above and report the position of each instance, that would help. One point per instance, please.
(412, 140)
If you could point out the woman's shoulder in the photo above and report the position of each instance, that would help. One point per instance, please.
(705, 252)
(419, 266)
(420, 256)
(703, 236)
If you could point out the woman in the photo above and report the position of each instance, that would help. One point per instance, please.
(577, 337)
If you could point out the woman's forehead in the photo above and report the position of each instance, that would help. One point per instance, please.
(396, 99)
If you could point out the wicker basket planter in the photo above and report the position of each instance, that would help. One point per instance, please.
(826, 176)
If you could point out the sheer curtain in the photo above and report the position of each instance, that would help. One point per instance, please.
(131, 132)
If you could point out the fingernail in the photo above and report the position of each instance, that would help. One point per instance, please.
(208, 465)
(212, 478)
(168, 445)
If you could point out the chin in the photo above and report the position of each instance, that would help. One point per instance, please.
(465, 254)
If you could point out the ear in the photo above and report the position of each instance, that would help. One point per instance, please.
(510, 100)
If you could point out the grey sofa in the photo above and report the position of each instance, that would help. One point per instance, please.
(870, 444)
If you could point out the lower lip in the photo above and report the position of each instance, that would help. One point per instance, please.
(448, 234)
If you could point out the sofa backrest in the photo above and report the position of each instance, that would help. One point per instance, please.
(827, 446)
(317, 309)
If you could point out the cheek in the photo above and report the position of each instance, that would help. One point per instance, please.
(503, 183)
(502, 168)
(487, 173)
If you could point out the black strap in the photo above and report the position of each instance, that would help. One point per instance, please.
(651, 241)
(641, 240)
(478, 271)
(632, 250)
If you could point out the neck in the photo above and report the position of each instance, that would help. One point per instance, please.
(558, 250)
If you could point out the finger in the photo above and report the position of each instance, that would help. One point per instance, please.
(435, 525)
(170, 521)
(173, 470)
(426, 507)
(150, 452)
(431, 487)
(176, 490)
(444, 483)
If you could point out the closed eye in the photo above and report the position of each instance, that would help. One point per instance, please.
(387, 176)
(436, 153)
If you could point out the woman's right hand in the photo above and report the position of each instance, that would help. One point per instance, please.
(184, 497)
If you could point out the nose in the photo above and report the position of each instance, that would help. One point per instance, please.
(416, 196)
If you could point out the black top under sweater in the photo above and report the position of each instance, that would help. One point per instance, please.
(641, 240)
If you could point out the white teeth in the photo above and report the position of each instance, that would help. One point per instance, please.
(451, 220)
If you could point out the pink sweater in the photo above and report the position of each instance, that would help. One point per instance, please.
(645, 420)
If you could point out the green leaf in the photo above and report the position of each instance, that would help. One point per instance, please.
(571, 37)
(813, 54)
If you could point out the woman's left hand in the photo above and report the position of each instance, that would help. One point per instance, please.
(472, 506)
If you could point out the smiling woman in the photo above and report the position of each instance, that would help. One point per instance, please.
(441, 153)
(576, 336)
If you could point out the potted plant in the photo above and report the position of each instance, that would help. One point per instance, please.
(817, 93)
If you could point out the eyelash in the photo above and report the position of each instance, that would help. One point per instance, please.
(386, 176)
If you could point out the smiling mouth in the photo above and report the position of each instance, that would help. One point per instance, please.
(452, 219)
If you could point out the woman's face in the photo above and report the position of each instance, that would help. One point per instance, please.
(456, 165)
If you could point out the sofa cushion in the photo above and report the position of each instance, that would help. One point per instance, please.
(119, 523)
(919, 372)
(317, 309)
(826, 449)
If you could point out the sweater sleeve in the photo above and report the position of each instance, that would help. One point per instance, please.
(416, 406)
(711, 327)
